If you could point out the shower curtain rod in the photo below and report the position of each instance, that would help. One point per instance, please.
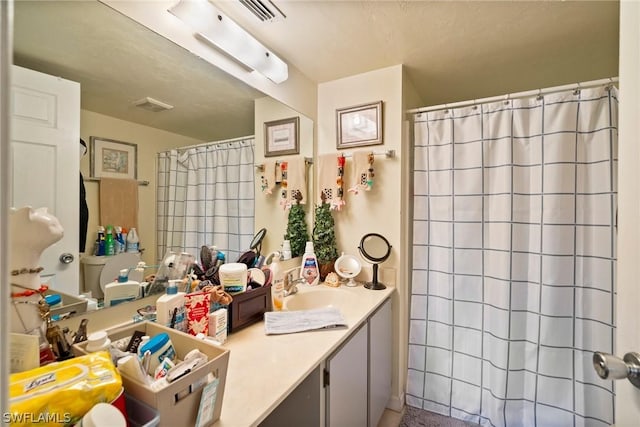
(517, 95)
(204, 144)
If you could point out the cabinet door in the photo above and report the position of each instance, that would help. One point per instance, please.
(347, 391)
(380, 354)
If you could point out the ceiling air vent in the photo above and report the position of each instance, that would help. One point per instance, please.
(265, 11)
(151, 104)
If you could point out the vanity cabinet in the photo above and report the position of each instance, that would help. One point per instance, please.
(358, 375)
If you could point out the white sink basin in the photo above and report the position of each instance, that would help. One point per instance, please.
(318, 297)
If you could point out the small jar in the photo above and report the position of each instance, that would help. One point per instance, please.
(160, 346)
(54, 301)
(98, 341)
(103, 415)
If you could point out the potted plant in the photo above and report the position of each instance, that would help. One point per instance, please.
(324, 239)
(297, 232)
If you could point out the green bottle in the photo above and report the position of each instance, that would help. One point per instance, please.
(109, 242)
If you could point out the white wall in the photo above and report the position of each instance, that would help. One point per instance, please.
(150, 141)
(628, 291)
(379, 210)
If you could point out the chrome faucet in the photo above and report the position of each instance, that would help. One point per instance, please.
(291, 280)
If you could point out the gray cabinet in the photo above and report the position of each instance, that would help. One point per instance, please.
(358, 374)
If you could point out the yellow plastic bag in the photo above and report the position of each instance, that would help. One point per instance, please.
(59, 394)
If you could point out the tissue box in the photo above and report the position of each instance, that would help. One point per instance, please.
(178, 403)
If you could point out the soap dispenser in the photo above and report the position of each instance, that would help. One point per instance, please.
(121, 290)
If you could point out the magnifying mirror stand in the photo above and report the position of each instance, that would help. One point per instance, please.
(374, 284)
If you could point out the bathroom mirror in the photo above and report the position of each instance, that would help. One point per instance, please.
(375, 248)
(119, 61)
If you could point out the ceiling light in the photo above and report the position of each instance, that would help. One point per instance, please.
(211, 24)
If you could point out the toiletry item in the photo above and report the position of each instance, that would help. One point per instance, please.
(131, 366)
(220, 258)
(163, 368)
(103, 415)
(233, 277)
(167, 304)
(218, 324)
(100, 241)
(122, 290)
(197, 306)
(286, 250)
(137, 274)
(54, 301)
(133, 243)
(134, 342)
(98, 341)
(309, 270)
(109, 242)
(159, 347)
(119, 241)
(277, 282)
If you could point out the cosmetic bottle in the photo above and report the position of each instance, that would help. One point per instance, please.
(170, 309)
(277, 283)
(309, 269)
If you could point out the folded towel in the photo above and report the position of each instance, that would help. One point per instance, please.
(287, 322)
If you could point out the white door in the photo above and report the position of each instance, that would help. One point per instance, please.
(628, 280)
(45, 138)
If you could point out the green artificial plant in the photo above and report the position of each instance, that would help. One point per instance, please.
(297, 232)
(324, 236)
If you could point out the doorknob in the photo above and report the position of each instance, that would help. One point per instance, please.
(66, 258)
(610, 367)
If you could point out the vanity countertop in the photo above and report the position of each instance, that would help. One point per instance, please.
(264, 369)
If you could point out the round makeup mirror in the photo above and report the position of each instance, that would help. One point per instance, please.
(375, 249)
(256, 242)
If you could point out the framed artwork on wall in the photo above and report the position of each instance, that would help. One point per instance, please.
(359, 125)
(113, 159)
(281, 137)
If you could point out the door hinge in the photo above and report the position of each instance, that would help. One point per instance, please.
(325, 378)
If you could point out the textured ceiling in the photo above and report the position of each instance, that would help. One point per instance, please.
(117, 61)
(452, 50)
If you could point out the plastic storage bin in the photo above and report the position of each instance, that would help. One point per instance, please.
(140, 414)
(178, 403)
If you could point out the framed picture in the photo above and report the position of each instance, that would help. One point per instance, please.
(281, 137)
(113, 159)
(359, 125)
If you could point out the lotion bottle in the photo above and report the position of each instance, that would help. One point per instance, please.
(122, 290)
(277, 283)
(170, 303)
(309, 269)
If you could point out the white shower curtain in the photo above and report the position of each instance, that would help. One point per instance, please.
(514, 255)
(205, 196)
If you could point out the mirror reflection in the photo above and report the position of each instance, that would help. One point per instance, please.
(116, 64)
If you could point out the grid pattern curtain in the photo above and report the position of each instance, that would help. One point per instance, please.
(514, 257)
(205, 196)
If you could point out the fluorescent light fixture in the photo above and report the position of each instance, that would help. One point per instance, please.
(211, 24)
